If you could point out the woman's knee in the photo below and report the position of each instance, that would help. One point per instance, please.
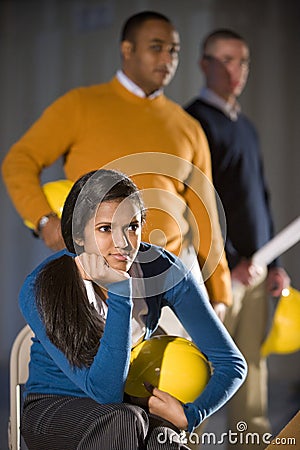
(133, 416)
(122, 426)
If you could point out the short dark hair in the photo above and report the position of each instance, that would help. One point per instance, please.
(136, 21)
(221, 33)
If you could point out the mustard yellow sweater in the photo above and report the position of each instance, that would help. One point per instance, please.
(154, 141)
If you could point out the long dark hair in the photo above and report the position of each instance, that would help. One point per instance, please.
(72, 323)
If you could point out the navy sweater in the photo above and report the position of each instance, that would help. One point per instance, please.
(238, 177)
(167, 282)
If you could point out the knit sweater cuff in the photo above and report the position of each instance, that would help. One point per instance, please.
(193, 416)
(121, 288)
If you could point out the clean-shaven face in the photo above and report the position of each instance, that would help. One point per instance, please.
(152, 59)
(226, 67)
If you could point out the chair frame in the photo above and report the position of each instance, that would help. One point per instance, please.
(19, 360)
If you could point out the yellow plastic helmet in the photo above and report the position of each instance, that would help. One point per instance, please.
(173, 364)
(56, 193)
(284, 336)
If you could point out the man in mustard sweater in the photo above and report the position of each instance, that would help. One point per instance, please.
(130, 125)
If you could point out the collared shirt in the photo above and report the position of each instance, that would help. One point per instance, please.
(210, 97)
(95, 300)
(134, 88)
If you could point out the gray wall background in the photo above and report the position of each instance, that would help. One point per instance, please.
(50, 46)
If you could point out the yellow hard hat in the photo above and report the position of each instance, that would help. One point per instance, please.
(56, 193)
(170, 363)
(284, 336)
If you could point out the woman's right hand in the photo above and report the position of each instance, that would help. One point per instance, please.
(95, 268)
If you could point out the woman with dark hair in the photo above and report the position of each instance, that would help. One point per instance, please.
(89, 305)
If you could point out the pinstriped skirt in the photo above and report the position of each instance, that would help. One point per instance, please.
(52, 422)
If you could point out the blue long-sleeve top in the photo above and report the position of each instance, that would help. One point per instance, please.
(167, 283)
(239, 179)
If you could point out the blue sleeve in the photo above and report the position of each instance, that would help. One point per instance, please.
(211, 337)
(104, 379)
